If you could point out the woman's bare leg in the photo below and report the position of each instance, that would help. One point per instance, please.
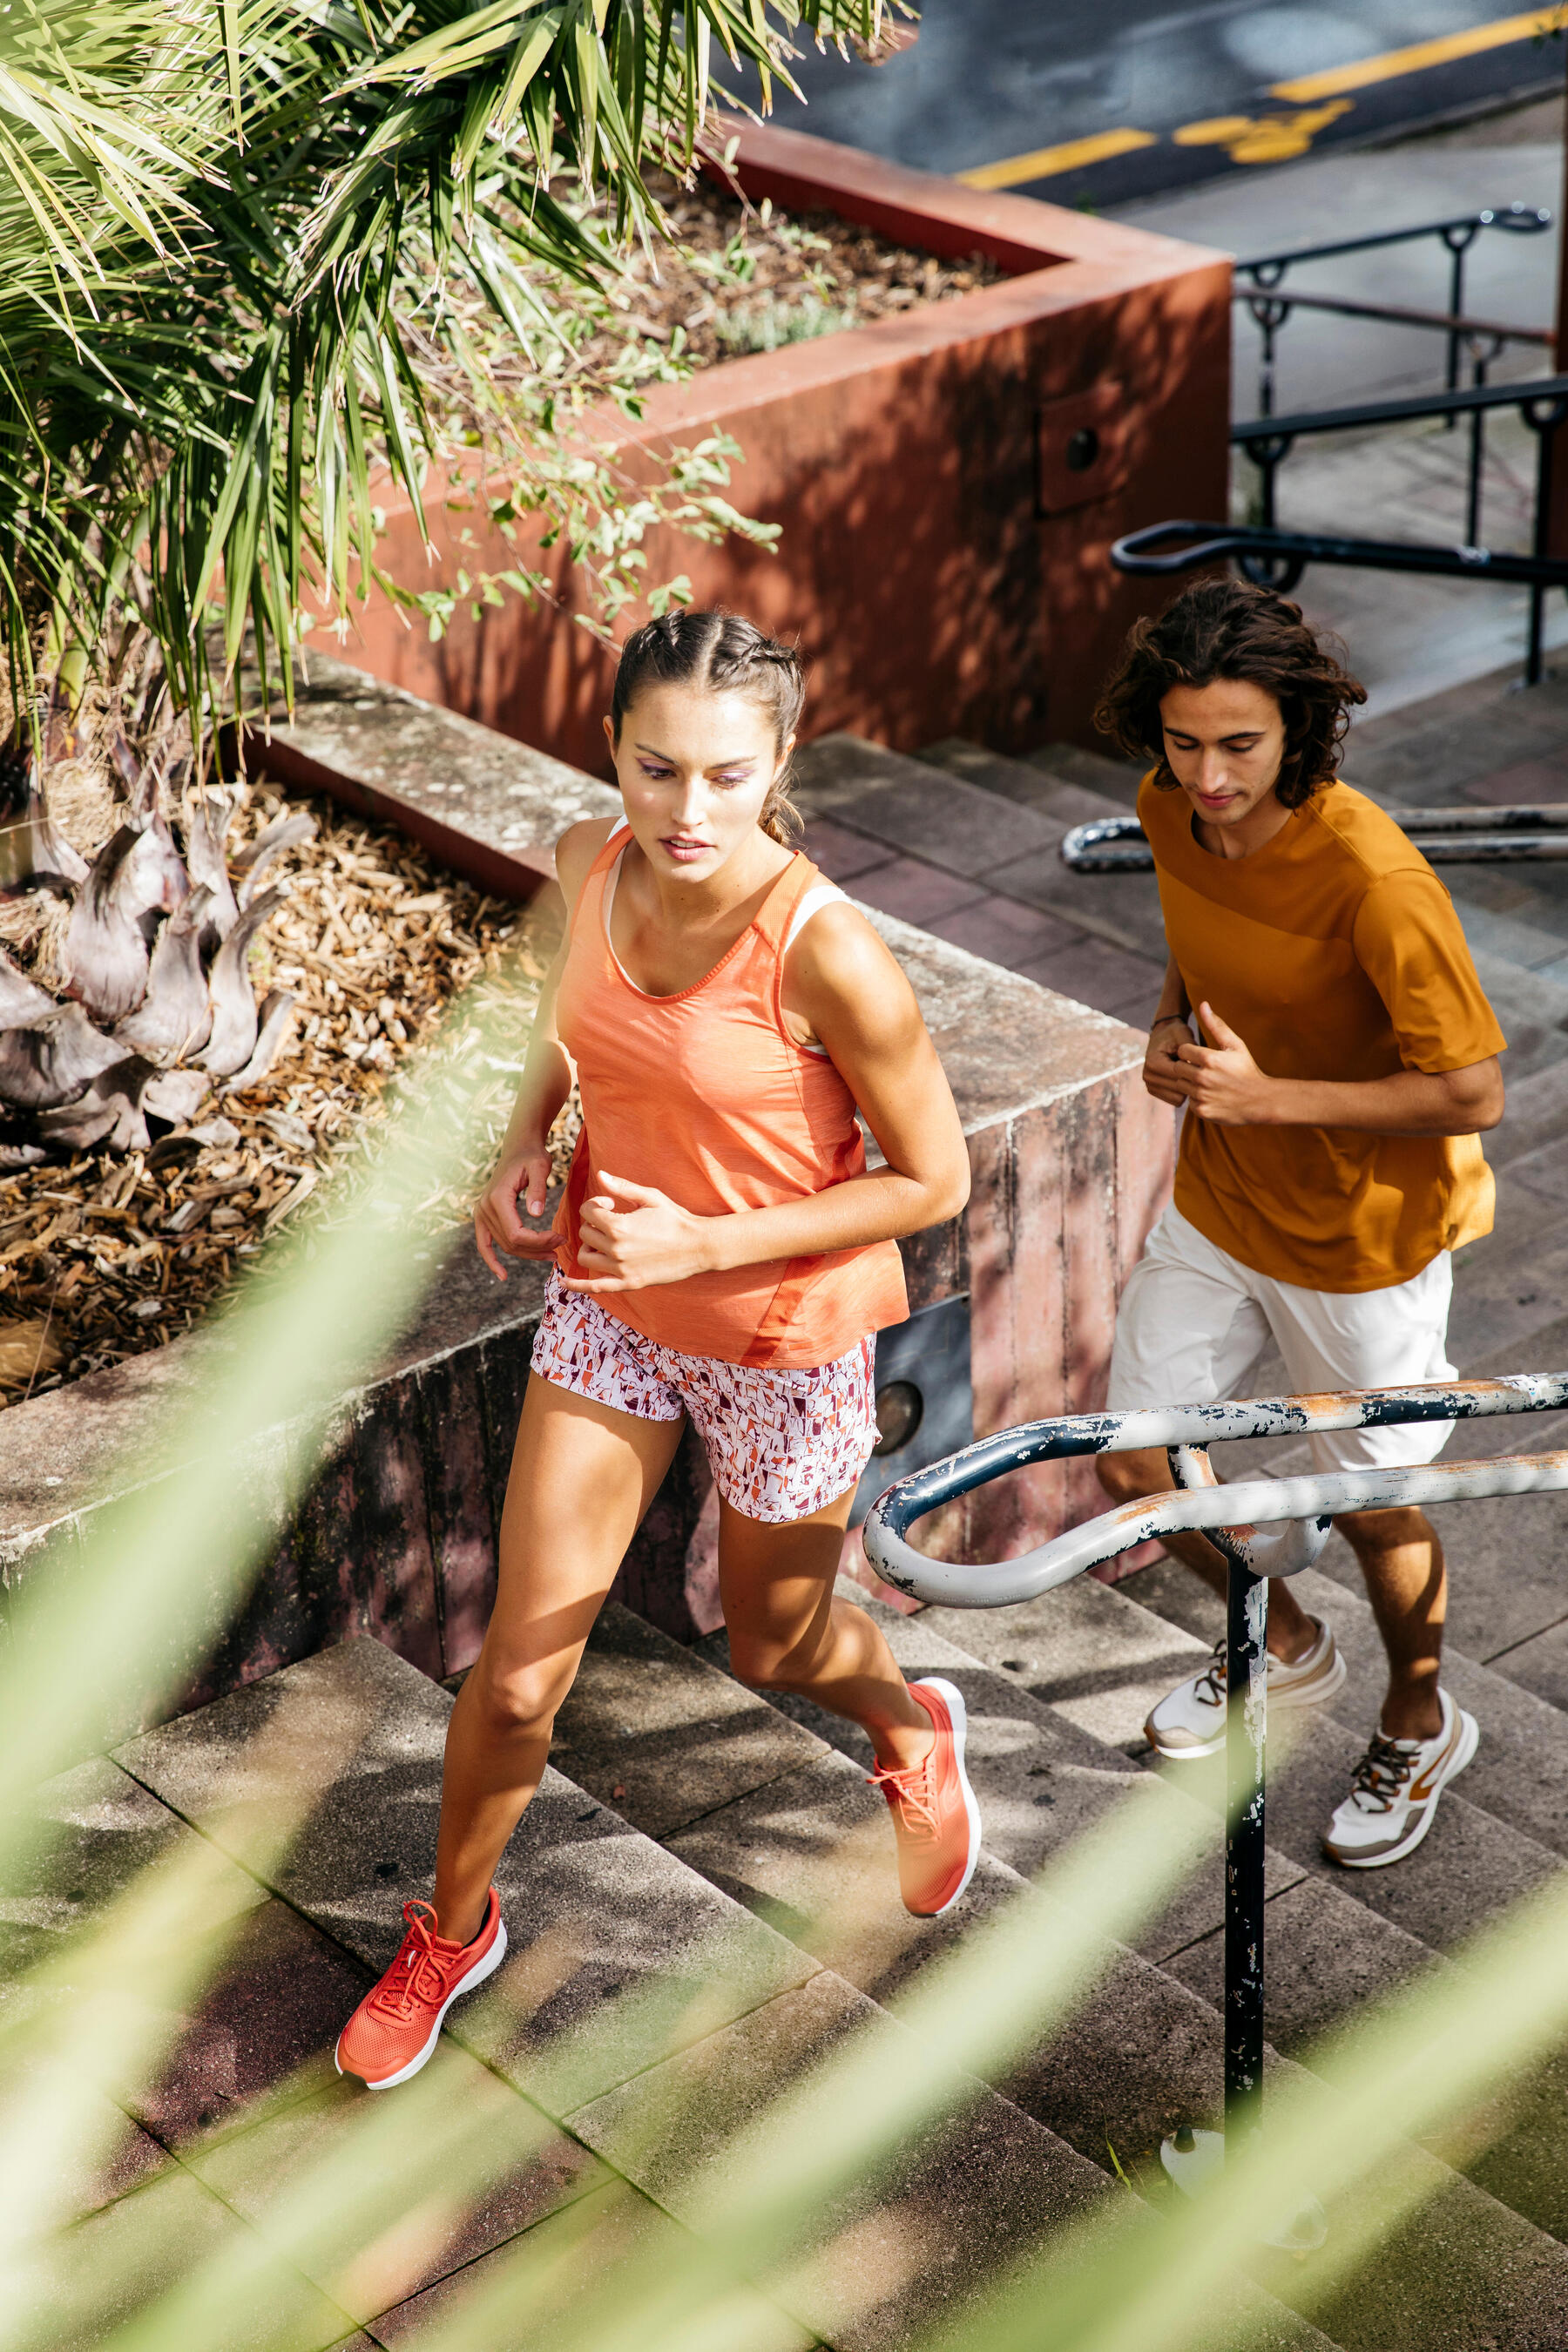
(582, 1476)
(788, 1631)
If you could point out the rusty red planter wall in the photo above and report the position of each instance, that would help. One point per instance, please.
(944, 554)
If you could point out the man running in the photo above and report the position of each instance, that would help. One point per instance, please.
(1343, 1066)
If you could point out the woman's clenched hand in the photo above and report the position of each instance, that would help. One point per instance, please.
(523, 1178)
(630, 1235)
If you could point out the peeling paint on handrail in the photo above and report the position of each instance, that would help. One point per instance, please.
(1500, 836)
(1238, 1511)
(1263, 1527)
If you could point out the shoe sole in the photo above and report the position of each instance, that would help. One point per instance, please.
(1284, 1701)
(475, 1976)
(1469, 1740)
(958, 1715)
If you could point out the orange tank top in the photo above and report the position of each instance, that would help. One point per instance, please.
(706, 1097)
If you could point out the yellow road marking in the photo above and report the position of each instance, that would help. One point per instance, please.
(1046, 162)
(1418, 57)
(1269, 139)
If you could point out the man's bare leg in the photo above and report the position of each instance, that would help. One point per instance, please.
(1126, 1477)
(1401, 1559)
(1406, 1583)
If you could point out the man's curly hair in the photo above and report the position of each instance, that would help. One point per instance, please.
(1228, 628)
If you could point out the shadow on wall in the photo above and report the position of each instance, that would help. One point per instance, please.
(947, 483)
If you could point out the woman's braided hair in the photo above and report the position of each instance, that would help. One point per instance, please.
(725, 655)
(1228, 628)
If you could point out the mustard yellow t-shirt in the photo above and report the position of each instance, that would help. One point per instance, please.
(1334, 952)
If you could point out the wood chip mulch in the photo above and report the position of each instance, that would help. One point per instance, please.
(102, 1258)
(739, 276)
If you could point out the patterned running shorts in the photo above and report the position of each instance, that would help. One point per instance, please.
(782, 1444)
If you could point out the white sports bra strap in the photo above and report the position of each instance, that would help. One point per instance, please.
(821, 893)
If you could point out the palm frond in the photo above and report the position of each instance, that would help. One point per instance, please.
(250, 245)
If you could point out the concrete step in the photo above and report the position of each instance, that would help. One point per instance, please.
(1440, 749)
(1096, 772)
(979, 869)
(790, 1826)
(1535, 1121)
(1471, 1865)
(1334, 1953)
(1531, 1004)
(1511, 1284)
(1092, 1656)
(1101, 1655)
(1019, 780)
(641, 2014)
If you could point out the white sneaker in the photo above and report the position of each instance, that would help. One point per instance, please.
(1394, 1791)
(1190, 1721)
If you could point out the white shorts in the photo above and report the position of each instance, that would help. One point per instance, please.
(1194, 1320)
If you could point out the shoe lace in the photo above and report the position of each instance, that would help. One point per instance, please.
(1215, 1672)
(416, 1976)
(915, 1790)
(1382, 1771)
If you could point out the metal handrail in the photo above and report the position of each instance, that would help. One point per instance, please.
(1395, 314)
(1542, 401)
(1484, 340)
(1500, 836)
(1262, 1528)
(1459, 233)
(1409, 408)
(1277, 559)
(1527, 220)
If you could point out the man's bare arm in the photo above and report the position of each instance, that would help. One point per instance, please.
(1223, 1082)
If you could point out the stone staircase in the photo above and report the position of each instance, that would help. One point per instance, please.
(1094, 1657)
(654, 1998)
(701, 1905)
(701, 1900)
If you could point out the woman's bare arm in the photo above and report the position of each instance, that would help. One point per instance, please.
(523, 1168)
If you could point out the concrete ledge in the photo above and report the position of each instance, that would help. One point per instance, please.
(485, 805)
(395, 1536)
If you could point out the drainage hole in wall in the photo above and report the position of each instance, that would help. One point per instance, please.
(900, 1408)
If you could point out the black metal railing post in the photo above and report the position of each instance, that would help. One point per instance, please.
(1485, 347)
(1246, 1733)
(1543, 417)
(1270, 1526)
(1459, 236)
(1269, 315)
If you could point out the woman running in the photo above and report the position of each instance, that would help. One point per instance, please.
(722, 1252)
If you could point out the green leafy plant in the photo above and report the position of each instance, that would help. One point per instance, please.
(270, 261)
(769, 325)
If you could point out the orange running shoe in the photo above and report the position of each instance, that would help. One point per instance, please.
(394, 2030)
(935, 1817)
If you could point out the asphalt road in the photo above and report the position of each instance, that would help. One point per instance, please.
(1111, 103)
